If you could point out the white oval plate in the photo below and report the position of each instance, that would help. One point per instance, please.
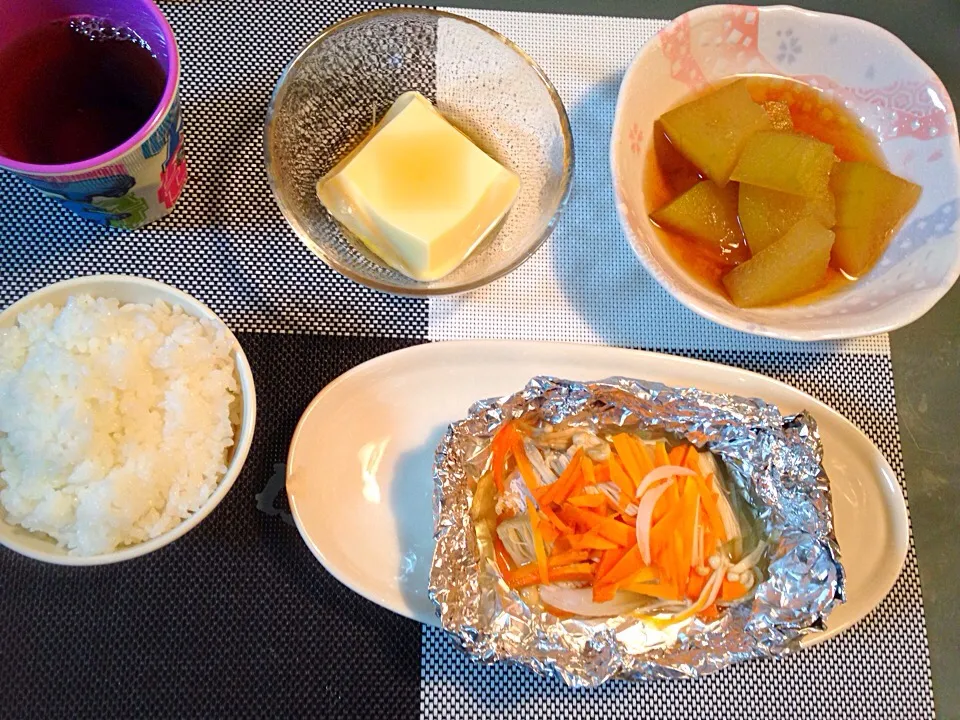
(360, 467)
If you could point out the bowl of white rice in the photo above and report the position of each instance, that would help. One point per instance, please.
(127, 409)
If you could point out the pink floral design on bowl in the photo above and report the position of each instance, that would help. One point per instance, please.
(872, 73)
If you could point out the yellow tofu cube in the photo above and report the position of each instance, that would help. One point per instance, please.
(418, 192)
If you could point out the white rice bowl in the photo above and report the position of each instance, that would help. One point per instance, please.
(116, 420)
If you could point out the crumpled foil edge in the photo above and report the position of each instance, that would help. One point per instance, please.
(773, 461)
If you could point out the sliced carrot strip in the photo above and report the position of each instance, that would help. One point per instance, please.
(732, 590)
(586, 518)
(566, 514)
(676, 454)
(691, 459)
(603, 593)
(559, 524)
(709, 613)
(624, 449)
(549, 533)
(609, 561)
(691, 506)
(642, 455)
(621, 479)
(576, 485)
(601, 472)
(660, 457)
(588, 501)
(527, 575)
(665, 591)
(589, 541)
(629, 564)
(586, 467)
(682, 559)
(618, 532)
(646, 574)
(523, 464)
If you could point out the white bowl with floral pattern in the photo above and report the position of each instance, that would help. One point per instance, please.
(874, 74)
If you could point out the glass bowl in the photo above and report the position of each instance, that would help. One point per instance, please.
(346, 78)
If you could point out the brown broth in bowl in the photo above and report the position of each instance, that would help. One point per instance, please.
(812, 112)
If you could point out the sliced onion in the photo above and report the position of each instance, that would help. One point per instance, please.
(664, 472)
(645, 517)
(579, 601)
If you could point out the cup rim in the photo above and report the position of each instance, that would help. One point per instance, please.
(420, 290)
(145, 131)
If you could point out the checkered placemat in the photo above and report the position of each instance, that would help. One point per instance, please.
(237, 617)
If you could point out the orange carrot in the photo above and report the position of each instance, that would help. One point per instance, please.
(530, 575)
(618, 532)
(523, 464)
(577, 484)
(603, 593)
(601, 472)
(588, 501)
(585, 518)
(660, 457)
(624, 448)
(609, 561)
(589, 541)
(691, 508)
(710, 613)
(691, 459)
(566, 514)
(499, 448)
(642, 455)
(549, 533)
(586, 467)
(559, 524)
(682, 559)
(665, 591)
(629, 564)
(676, 454)
(732, 590)
(620, 478)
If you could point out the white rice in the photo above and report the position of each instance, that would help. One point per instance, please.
(115, 420)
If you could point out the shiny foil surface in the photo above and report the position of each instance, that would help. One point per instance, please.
(771, 461)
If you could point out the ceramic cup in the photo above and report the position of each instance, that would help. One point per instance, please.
(140, 180)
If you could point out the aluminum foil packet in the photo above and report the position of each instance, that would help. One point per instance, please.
(772, 461)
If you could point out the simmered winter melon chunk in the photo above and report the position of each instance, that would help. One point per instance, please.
(793, 265)
(766, 215)
(711, 130)
(871, 204)
(785, 161)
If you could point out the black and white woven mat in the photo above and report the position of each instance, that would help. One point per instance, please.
(237, 618)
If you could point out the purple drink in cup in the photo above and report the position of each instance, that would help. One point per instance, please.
(89, 106)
